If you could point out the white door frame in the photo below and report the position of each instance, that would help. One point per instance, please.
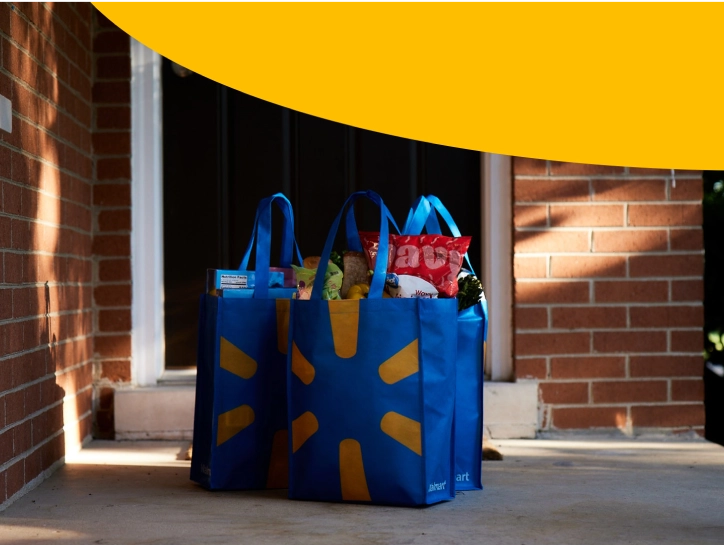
(147, 337)
(147, 234)
(496, 249)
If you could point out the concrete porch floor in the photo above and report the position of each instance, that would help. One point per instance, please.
(572, 490)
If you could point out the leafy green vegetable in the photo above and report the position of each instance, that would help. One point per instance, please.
(469, 291)
(336, 258)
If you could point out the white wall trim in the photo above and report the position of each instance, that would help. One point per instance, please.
(148, 343)
(496, 247)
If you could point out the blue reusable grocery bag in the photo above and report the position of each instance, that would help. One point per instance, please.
(240, 420)
(472, 334)
(371, 393)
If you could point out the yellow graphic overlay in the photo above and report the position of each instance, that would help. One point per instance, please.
(235, 361)
(352, 472)
(401, 365)
(635, 84)
(344, 316)
(301, 366)
(232, 422)
(302, 429)
(403, 430)
(282, 324)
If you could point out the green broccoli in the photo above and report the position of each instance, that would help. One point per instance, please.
(469, 291)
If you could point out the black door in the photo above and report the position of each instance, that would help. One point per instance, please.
(224, 151)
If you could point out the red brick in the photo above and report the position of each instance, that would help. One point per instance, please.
(15, 478)
(112, 245)
(629, 341)
(529, 267)
(687, 390)
(114, 270)
(113, 346)
(117, 143)
(588, 317)
(629, 190)
(112, 92)
(638, 240)
(687, 290)
(531, 318)
(112, 195)
(564, 392)
(629, 391)
(5, 232)
(111, 41)
(667, 416)
(114, 320)
(116, 370)
(551, 292)
(52, 451)
(668, 316)
(551, 190)
(631, 291)
(587, 266)
(666, 265)
(21, 302)
(688, 190)
(587, 216)
(33, 465)
(26, 102)
(5, 162)
(113, 168)
(687, 341)
(589, 417)
(12, 198)
(112, 296)
(530, 216)
(551, 241)
(535, 344)
(113, 118)
(530, 368)
(22, 438)
(6, 302)
(114, 220)
(114, 67)
(6, 447)
(687, 239)
(559, 168)
(588, 367)
(641, 215)
(524, 166)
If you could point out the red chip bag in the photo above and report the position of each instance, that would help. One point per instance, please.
(435, 258)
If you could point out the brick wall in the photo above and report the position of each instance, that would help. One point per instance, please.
(608, 267)
(46, 327)
(111, 217)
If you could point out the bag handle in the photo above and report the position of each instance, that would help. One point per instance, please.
(424, 213)
(378, 280)
(262, 233)
(419, 217)
(289, 243)
(353, 241)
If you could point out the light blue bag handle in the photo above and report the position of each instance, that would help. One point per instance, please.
(262, 233)
(354, 243)
(289, 243)
(420, 216)
(378, 280)
(423, 214)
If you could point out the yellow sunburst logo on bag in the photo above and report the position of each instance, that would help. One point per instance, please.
(344, 319)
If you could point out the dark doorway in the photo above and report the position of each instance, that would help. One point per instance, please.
(225, 150)
(714, 304)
